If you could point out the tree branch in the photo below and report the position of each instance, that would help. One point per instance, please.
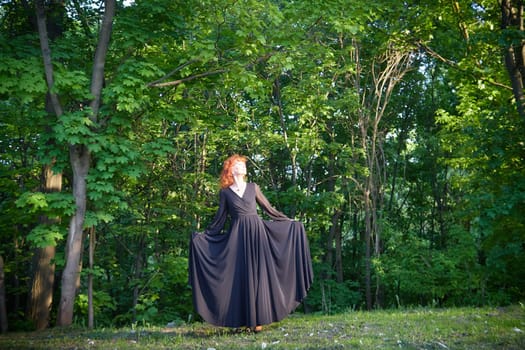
(97, 78)
(46, 55)
(180, 81)
(453, 64)
(172, 72)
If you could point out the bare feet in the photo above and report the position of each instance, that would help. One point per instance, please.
(257, 329)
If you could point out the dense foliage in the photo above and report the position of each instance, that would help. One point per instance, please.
(391, 129)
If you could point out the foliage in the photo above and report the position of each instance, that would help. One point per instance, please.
(415, 271)
(289, 85)
(331, 297)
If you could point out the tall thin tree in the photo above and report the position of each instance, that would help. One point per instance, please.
(80, 159)
(41, 295)
(386, 70)
(78, 153)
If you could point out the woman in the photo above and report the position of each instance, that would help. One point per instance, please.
(258, 271)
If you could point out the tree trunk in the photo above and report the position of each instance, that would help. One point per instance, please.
(512, 18)
(41, 296)
(3, 310)
(91, 312)
(368, 257)
(333, 241)
(139, 264)
(339, 247)
(291, 150)
(80, 160)
(329, 252)
(46, 56)
(387, 70)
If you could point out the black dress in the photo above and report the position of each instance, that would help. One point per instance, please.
(254, 274)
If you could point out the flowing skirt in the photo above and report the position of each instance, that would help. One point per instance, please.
(255, 274)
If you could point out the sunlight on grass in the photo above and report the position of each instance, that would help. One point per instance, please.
(461, 328)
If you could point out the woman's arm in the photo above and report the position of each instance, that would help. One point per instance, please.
(216, 226)
(267, 207)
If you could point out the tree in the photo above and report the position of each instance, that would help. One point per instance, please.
(480, 136)
(80, 162)
(41, 295)
(79, 154)
(512, 28)
(386, 71)
(20, 19)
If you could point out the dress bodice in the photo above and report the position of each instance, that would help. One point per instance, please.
(235, 206)
(241, 205)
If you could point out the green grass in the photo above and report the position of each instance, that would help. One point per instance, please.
(421, 328)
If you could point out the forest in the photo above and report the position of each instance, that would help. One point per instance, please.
(394, 130)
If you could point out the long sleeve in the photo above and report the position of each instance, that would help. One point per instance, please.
(216, 226)
(267, 207)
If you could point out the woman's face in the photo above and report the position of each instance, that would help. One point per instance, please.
(239, 168)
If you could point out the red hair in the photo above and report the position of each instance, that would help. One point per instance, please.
(226, 178)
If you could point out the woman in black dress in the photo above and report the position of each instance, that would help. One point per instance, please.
(257, 271)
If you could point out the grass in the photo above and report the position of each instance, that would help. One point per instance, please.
(421, 328)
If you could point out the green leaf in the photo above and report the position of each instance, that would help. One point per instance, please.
(46, 235)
